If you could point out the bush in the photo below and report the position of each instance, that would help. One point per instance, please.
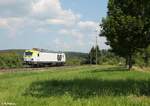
(75, 61)
(114, 60)
(10, 60)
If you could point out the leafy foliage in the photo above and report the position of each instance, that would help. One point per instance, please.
(127, 27)
(75, 58)
(142, 58)
(92, 55)
(103, 57)
(109, 58)
(10, 60)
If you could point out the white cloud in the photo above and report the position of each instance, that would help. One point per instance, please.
(56, 21)
(72, 33)
(46, 8)
(87, 25)
(59, 44)
(7, 2)
(42, 30)
(42, 16)
(38, 12)
(14, 8)
(3, 23)
(53, 13)
(13, 24)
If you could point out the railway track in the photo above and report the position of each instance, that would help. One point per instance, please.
(20, 69)
(33, 69)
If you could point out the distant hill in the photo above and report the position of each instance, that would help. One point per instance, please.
(18, 51)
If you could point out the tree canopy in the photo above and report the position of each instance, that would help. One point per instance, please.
(127, 27)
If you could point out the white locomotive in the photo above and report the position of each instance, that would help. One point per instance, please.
(41, 57)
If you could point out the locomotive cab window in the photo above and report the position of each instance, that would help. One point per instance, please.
(28, 53)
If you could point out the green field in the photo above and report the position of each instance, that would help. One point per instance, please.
(76, 86)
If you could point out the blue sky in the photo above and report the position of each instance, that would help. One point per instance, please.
(59, 25)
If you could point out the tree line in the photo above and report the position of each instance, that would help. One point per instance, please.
(103, 57)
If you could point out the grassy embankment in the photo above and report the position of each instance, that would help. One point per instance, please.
(76, 86)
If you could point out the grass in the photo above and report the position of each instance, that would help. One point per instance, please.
(76, 86)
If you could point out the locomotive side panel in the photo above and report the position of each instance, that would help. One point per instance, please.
(47, 57)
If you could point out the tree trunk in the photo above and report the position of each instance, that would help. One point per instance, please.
(126, 62)
(130, 62)
(146, 58)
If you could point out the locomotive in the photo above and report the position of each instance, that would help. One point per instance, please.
(41, 57)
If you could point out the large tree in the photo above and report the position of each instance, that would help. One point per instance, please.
(127, 27)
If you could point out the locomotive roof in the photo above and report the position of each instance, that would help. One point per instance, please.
(45, 51)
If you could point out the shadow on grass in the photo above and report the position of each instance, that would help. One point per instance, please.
(110, 69)
(84, 88)
(116, 69)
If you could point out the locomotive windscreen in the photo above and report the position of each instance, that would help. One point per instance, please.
(28, 53)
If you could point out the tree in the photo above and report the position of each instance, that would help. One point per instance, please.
(146, 56)
(127, 27)
(92, 55)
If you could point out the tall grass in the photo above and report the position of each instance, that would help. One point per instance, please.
(76, 86)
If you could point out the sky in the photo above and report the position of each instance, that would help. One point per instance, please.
(58, 25)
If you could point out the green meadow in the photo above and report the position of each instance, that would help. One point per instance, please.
(75, 86)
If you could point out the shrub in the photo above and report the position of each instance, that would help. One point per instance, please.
(75, 61)
(10, 60)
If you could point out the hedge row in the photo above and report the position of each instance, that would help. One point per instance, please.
(10, 60)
